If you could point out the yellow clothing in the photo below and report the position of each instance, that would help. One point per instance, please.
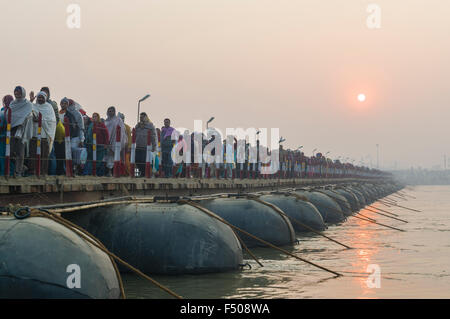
(60, 132)
(128, 132)
(127, 154)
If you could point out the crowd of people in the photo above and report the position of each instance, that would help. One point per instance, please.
(38, 136)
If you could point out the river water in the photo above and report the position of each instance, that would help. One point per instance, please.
(410, 264)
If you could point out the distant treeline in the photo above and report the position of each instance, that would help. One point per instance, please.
(423, 176)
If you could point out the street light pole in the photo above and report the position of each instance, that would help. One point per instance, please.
(280, 168)
(139, 105)
(209, 121)
(378, 157)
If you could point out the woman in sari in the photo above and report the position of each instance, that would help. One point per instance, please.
(102, 140)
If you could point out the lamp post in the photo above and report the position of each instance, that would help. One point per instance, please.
(314, 151)
(257, 153)
(139, 105)
(378, 156)
(257, 139)
(209, 121)
(280, 163)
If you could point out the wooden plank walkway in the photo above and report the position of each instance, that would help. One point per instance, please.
(52, 184)
(58, 189)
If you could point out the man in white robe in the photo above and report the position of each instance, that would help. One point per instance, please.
(20, 113)
(48, 128)
(111, 123)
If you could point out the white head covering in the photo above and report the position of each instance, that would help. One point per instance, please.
(111, 124)
(48, 120)
(42, 93)
(20, 109)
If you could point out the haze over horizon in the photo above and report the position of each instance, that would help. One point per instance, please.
(295, 65)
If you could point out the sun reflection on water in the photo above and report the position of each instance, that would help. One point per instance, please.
(364, 236)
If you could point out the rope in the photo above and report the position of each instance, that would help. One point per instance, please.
(388, 200)
(398, 196)
(374, 220)
(279, 211)
(96, 205)
(371, 220)
(91, 239)
(234, 231)
(352, 194)
(336, 199)
(385, 204)
(276, 209)
(382, 210)
(298, 196)
(326, 207)
(367, 220)
(140, 201)
(403, 194)
(397, 205)
(370, 210)
(246, 248)
(206, 211)
(414, 210)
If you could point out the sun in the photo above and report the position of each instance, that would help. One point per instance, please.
(361, 97)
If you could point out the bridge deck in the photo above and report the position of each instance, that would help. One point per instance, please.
(56, 189)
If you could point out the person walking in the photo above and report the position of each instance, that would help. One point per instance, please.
(48, 128)
(127, 151)
(166, 148)
(76, 129)
(21, 110)
(142, 129)
(111, 124)
(52, 157)
(102, 140)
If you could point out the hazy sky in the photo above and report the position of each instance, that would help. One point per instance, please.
(296, 65)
